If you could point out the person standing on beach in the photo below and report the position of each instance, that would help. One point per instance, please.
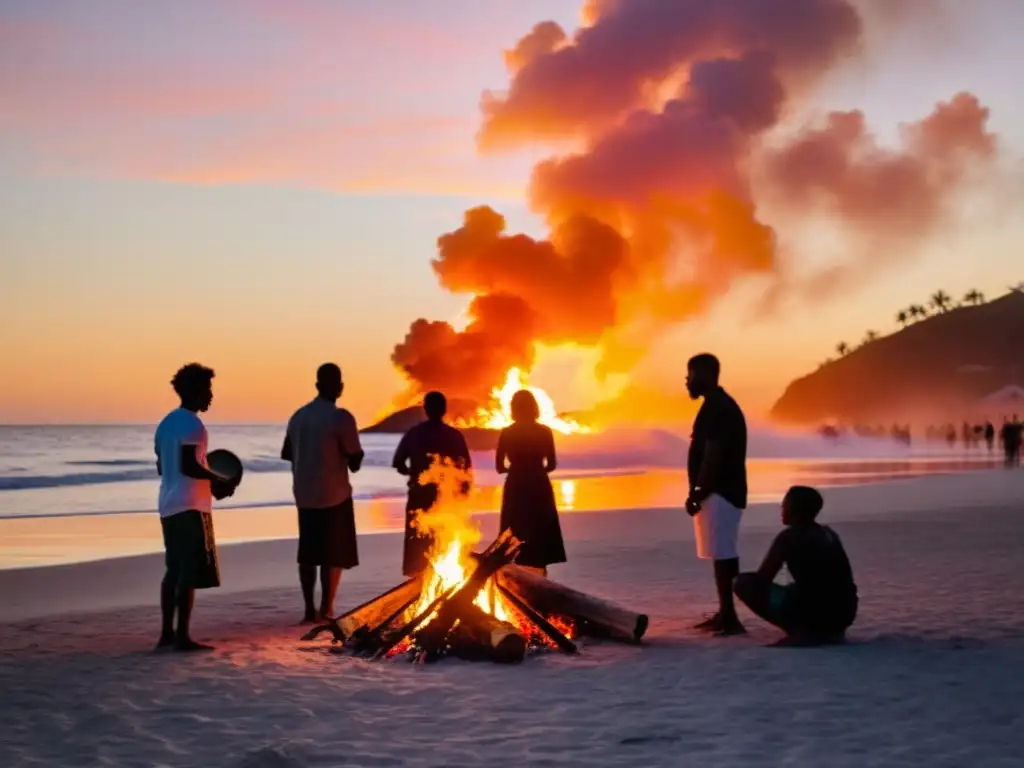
(990, 435)
(717, 472)
(1013, 432)
(415, 453)
(526, 453)
(322, 445)
(187, 489)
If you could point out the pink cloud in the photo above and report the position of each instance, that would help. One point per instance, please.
(312, 93)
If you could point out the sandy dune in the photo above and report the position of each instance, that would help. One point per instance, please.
(933, 675)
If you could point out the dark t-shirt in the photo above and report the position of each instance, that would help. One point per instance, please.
(721, 420)
(815, 558)
(431, 438)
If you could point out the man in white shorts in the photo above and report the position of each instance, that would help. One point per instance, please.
(718, 484)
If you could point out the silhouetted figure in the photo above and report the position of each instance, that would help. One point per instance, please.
(322, 444)
(990, 435)
(717, 472)
(414, 455)
(187, 489)
(1012, 433)
(967, 435)
(900, 434)
(821, 603)
(951, 435)
(526, 453)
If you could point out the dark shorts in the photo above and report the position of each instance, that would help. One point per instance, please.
(328, 536)
(784, 607)
(191, 551)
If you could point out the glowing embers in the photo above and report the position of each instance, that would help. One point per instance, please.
(473, 605)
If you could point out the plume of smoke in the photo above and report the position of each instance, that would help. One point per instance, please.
(840, 168)
(525, 291)
(663, 110)
(887, 199)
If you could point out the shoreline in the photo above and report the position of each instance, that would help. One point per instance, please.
(50, 540)
(37, 591)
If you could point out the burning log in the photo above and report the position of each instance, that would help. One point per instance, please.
(480, 634)
(431, 637)
(372, 613)
(591, 614)
(496, 612)
(433, 625)
(393, 638)
(545, 626)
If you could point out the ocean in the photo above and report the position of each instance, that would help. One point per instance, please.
(87, 470)
(69, 493)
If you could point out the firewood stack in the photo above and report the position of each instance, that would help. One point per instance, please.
(453, 625)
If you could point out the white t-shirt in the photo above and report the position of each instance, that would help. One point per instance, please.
(178, 492)
(321, 437)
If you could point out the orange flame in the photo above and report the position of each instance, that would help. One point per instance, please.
(455, 533)
(499, 415)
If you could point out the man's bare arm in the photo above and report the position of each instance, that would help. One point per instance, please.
(773, 561)
(190, 466)
(401, 460)
(351, 448)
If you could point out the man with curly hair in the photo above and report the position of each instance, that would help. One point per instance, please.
(187, 489)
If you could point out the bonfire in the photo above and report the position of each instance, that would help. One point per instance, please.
(475, 605)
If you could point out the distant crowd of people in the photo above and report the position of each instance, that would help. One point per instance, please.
(322, 445)
(968, 436)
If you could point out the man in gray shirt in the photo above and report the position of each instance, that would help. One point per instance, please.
(322, 444)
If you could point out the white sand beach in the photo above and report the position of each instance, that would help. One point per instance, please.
(933, 675)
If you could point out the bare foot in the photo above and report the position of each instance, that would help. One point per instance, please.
(712, 623)
(189, 645)
(164, 643)
(730, 628)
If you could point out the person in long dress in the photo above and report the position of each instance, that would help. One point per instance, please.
(526, 454)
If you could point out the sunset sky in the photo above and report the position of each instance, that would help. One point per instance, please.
(259, 185)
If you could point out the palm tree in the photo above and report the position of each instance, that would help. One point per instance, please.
(842, 348)
(903, 317)
(870, 336)
(920, 310)
(940, 300)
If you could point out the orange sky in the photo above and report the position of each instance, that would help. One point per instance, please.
(265, 201)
